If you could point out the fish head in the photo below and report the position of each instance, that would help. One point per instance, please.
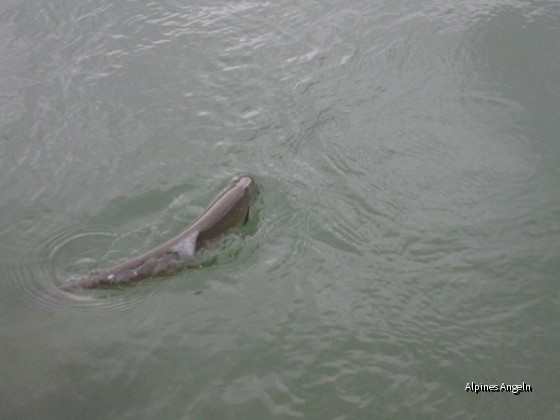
(250, 191)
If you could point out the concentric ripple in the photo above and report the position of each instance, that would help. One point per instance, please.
(63, 258)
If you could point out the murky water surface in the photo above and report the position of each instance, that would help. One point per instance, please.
(407, 238)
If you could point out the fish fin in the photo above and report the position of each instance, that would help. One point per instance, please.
(187, 247)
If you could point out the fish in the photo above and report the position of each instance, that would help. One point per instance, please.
(230, 209)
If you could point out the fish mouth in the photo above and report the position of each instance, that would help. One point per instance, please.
(249, 184)
(251, 191)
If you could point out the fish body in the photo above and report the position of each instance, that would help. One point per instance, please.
(230, 209)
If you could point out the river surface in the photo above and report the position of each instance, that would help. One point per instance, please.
(405, 244)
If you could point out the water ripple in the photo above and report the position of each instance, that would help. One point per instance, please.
(61, 258)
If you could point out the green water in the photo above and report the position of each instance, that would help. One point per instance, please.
(407, 238)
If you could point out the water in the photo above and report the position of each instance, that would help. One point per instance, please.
(407, 239)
